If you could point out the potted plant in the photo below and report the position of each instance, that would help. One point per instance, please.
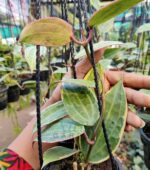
(3, 96)
(80, 115)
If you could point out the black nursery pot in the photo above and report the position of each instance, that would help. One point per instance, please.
(13, 93)
(44, 74)
(145, 137)
(24, 92)
(3, 97)
(67, 164)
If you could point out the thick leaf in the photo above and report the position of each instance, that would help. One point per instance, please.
(57, 153)
(86, 82)
(90, 75)
(62, 130)
(97, 46)
(52, 113)
(115, 119)
(111, 10)
(106, 63)
(80, 103)
(143, 28)
(145, 117)
(112, 52)
(30, 56)
(50, 31)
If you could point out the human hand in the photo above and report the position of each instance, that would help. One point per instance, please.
(131, 82)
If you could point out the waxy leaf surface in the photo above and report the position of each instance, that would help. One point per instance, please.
(49, 32)
(98, 46)
(57, 153)
(62, 130)
(80, 103)
(81, 82)
(115, 119)
(52, 113)
(111, 10)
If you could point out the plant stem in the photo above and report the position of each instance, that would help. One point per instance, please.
(101, 115)
(100, 105)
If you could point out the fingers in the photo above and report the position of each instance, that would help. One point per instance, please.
(129, 128)
(134, 121)
(81, 69)
(129, 79)
(84, 65)
(137, 98)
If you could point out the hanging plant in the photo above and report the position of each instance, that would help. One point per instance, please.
(82, 115)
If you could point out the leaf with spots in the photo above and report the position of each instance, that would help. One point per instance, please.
(50, 32)
(115, 114)
(80, 103)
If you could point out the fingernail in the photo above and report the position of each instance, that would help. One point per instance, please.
(142, 124)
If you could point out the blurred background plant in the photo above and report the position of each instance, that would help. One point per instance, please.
(128, 38)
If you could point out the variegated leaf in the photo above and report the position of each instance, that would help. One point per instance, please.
(86, 82)
(115, 119)
(57, 153)
(62, 130)
(52, 113)
(50, 31)
(80, 103)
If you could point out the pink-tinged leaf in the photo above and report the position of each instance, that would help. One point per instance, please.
(49, 32)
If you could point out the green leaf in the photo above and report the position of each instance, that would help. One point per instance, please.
(111, 10)
(57, 153)
(143, 28)
(30, 56)
(80, 82)
(62, 130)
(52, 113)
(112, 52)
(115, 119)
(90, 75)
(49, 32)
(80, 103)
(97, 46)
(145, 117)
(146, 91)
(106, 63)
(2, 59)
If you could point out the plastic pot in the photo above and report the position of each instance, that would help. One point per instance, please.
(24, 92)
(13, 93)
(44, 74)
(3, 97)
(67, 164)
(146, 144)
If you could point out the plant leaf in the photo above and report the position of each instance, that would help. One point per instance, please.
(111, 10)
(30, 56)
(57, 153)
(52, 113)
(90, 75)
(97, 46)
(143, 28)
(62, 130)
(80, 103)
(115, 119)
(80, 82)
(50, 31)
(145, 117)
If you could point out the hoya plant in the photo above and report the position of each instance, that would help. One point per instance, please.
(81, 115)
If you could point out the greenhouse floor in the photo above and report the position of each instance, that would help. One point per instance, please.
(12, 123)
